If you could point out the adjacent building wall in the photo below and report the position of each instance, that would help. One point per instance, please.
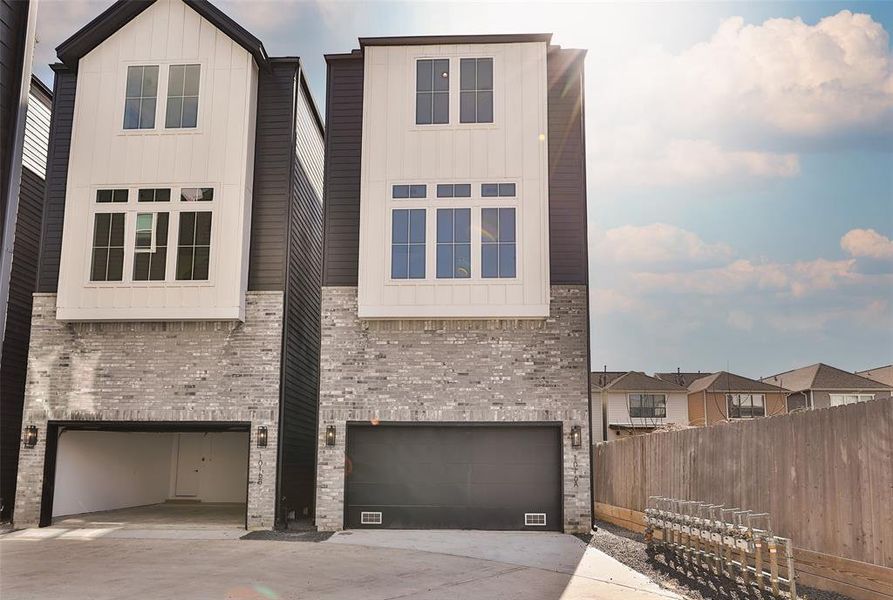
(201, 371)
(717, 408)
(618, 412)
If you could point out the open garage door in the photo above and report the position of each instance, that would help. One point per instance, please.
(421, 476)
(146, 475)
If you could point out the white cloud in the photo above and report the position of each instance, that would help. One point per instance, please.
(738, 319)
(867, 243)
(657, 245)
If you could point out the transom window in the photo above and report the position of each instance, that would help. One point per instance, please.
(108, 247)
(141, 97)
(111, 195)
(194, 246)
(746, 406)
(493, 190)
(409, 191)
(454, 190)
(476, 90)
(841, 399)
(432, 91)
(650, 406)
(498, 242)
(154, 195)
(408, 243)
(196, 194)
(182, 96)
(453, 243)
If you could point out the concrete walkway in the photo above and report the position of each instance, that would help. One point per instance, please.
(382, 566)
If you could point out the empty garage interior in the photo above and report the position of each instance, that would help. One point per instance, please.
(154, 477)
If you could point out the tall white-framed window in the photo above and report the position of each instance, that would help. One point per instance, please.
(132, 235)
(841, 399)
(746, 406)
(141, 97)
(475, 90)
(432, 91)
(182, 96)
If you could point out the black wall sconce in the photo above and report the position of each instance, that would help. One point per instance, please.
(261, 437)
(576, 436)
(330, 435)
(30, 436)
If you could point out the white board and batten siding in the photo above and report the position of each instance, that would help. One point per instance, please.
(37, 136)
(512, 149)
(618, 411)
(218, 153)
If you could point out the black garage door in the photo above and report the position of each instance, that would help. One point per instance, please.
(453, 477)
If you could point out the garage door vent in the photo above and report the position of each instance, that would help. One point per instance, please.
(535, 519)
(370, 518)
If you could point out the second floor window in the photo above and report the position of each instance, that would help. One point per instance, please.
(194, 246)
(746, 406)
(432, 91)
(108, 247)
(150, 246)
(498, 242)
(140, 97)
(182, 96)
(651, 406)
(476, 90)
(408, 243)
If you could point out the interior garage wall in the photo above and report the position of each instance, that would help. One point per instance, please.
(223, 472)
(103, 470)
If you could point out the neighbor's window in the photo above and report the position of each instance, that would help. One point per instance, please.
(746, 406)
(196, 194)
(476, 90)
(108, 247)
(409, 191)
(453, 243)
(454, 190)
(140, 97)
(111, 196)
(408, 243)
(653, 406)
(840, 399)
(154, 195)
(432, 96)
(182, 96)
(150, 246)
(498, 242)
(493, 190)
(194, 246)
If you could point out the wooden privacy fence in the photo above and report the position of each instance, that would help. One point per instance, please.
(825, 476)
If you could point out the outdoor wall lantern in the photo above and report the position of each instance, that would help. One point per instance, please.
(30, 436)
(576, 436)
(330, 435)
(261, 437)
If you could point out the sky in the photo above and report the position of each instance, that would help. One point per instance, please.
(739, 163)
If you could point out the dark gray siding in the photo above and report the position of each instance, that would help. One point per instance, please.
(567, 168)
(273, 152)
(344, 133)
(18, 330)
(57, 177)
(13, 27)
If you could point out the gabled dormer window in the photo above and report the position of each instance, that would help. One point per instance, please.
(141, 97)
(182, 96)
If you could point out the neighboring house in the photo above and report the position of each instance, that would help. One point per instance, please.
(881, 375)
(24, 128)
(681, 378)
(728, 397)
(175, 332)
(454, 367)
(821, 385)
(630, 403)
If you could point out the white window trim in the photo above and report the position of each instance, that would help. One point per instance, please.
(860, 397)
(629, 405)
(476, 202)
(454, 92)
(161, 97)
(133, 207)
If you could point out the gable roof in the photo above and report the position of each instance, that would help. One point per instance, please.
(636, 381)
(682, 378)
(723, 381)
(122, 12)
(602, 379)
(880, 374)
(823, 377)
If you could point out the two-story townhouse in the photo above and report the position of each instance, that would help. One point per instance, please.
(628, 403)
(175, 332)
(454, 363)
(24, 134)
(821, 386)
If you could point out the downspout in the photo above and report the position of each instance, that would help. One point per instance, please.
(706, 420)
(15, 169)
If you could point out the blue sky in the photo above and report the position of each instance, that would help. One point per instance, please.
(740, 164)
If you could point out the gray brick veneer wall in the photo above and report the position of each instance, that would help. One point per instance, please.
(155, 371)
(454, 370)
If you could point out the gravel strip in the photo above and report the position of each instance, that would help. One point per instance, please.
(628, 548)
(288, 536)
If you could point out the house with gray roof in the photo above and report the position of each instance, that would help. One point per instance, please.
(627, 403)
(682, 378)
(725, 396)
(880, 374)
(821, 385)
